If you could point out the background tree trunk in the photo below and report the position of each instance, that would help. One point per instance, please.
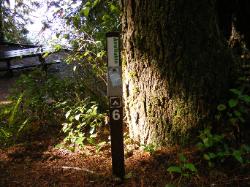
(1, 23)
(176, 65)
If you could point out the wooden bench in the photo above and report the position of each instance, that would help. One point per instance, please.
(7, 56)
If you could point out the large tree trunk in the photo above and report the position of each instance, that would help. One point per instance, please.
(176, 68)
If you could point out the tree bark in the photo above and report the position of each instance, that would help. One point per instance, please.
(1, 23)
(176, 68)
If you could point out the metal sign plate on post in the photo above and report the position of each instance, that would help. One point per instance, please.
(115, 104)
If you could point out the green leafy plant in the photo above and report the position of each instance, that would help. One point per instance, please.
(82, 123)
(12, 123)
(226, 143)
(150, 148)
(90, 21)
(234, 112)
(37, 102)
(184, 168)
(5, 131)
(215, 148)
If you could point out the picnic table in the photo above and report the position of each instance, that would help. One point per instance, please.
(10, 54)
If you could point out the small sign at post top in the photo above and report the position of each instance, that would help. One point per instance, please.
(113, 55)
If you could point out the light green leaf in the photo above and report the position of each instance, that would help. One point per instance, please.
(113, 8)
(59, 146)
(45, 55)
(211, 155)
(221, 107)
(129, 175)
(86, 11)
(174, 169)
(232, 103)
(190, 167)
(66, 36)
(76, 21)
(206, 157)
(182, 158)
(88, 4)
(79, 141)
(106, 17)
(235, 91)
(237, 156)
(245, 98)
(237, 113)
(86, 53)
(5, 133)
(26, 122)
(14, 112)
(186, 175)
(96, 2)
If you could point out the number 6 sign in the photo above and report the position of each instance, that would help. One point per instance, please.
(116, 114)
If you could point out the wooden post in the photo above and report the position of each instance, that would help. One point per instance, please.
(115, 104)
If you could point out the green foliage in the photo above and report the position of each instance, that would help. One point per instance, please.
(232, 115)
(184, 168)
(11, 124)
(220, 146)
(82, 122)
(150, 148)
(27, 107)
(209, 139)
(215, 149)
(234, 112)
(96, 17)
(128, 175)
(90, 21)
(13, 115)
(39, 92)
(39, 100)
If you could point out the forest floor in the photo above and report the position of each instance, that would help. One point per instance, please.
(37, 162)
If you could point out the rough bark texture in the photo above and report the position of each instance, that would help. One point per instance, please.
(1, 23)
(176, 68)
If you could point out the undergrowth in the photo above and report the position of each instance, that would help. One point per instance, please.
(41, 101)
(221, 144)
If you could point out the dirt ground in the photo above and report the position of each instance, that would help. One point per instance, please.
(38, 163)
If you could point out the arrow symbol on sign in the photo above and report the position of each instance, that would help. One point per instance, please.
(115, 102)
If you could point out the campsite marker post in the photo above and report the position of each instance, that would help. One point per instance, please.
(115, 103)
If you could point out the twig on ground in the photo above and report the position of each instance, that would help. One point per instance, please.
(78, 169)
